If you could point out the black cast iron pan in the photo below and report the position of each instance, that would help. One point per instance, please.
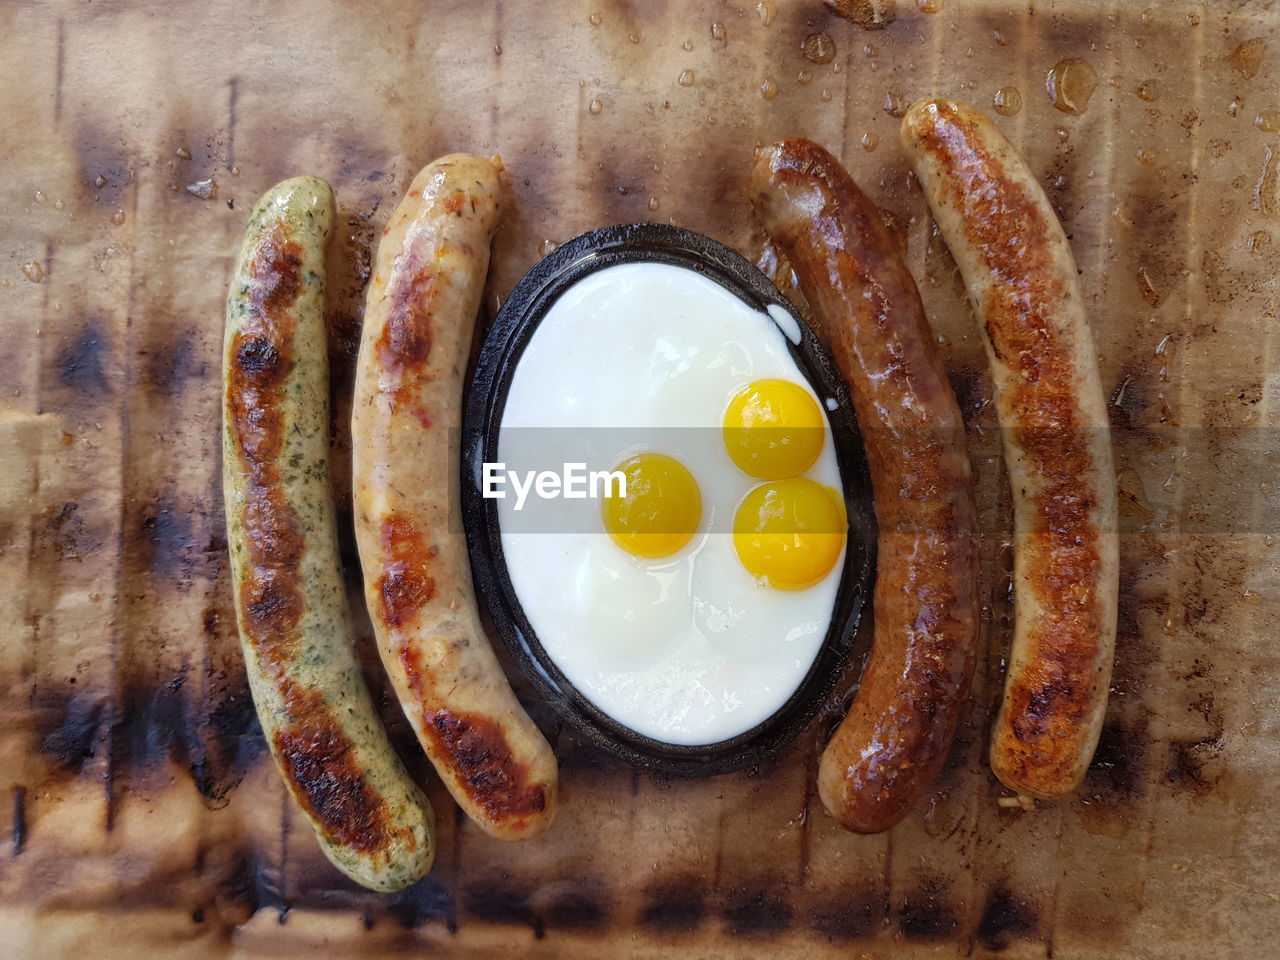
(516, 323)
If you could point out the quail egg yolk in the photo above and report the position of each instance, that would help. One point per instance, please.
(660, 510)
(789, 533)
(773, 429)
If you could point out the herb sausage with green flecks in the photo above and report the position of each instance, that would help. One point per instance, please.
(371, 819)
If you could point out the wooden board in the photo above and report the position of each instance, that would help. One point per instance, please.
(138, 812)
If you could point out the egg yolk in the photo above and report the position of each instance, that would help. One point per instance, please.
(789, 533)
(773, 429)
(661, 509)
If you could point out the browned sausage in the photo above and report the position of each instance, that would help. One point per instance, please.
(865, 304)
(419, 316)
(1022, 279)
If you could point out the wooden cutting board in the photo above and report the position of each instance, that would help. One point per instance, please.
(139, 815)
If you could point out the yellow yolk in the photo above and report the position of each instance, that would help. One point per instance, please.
(789, 533)
(661, 509)
(773, 429)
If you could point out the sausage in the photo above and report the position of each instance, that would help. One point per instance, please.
(371, 819)
(864, 303)
(1022, 280)
(419, 315)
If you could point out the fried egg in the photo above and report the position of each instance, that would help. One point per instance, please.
(690, 609)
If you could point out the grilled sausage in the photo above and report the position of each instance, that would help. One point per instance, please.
(371, 819)
(419, 316)
(866, 306)
(1022, 279)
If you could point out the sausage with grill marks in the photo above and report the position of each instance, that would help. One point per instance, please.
(371, 819)
(1022, 279)
(419, 316)
(864, 303)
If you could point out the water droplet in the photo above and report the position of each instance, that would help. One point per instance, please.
(1062, 133)
(767, 12)
(869, 141)
(1268, 121)
(497, 49)
(40, 197)
(1259, 241)
(768, 89)
(717, 31)
(818, 48)
(1145, 156)
(118, 217)
(1007, 101)
(687, 45)
(894, 105)
(58, 204)
(204, 189)
(594, 19)
(686, 78)
(826, 94)
(836, 67)
(99, 181)
(595, 107)
(1147, 90)
(235, 171)
(873, 66)
(1147, 16)
(654, 204)
(929, 6)
(1060, 182)
(1163, 344)
(803, 77)
(546, 247)
(1070, 84)
(870, 50)
(1247, 58)
(33, 271)
(183, 153)
(1234, 106)
(999, 37)
(633, 37)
